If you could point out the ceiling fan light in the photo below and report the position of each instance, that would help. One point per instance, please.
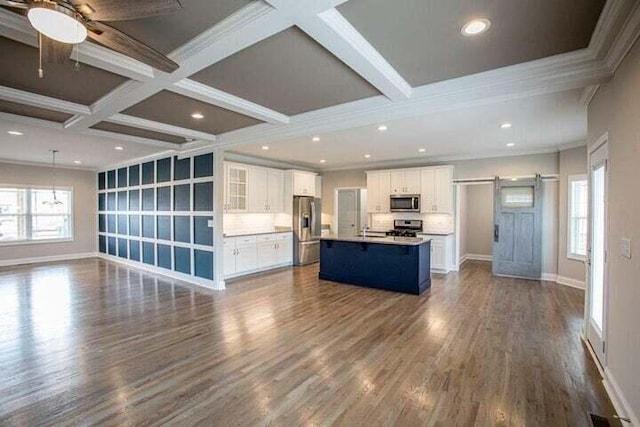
(56, 22)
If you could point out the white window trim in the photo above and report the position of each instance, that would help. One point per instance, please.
(67, 239)
(570, 179)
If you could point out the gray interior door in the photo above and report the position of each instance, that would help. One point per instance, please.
(348, 215)
(517, 236)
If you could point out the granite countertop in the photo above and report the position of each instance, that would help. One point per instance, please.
(258, 234)
(387, 240)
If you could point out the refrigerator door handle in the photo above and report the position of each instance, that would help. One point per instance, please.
(313, 218)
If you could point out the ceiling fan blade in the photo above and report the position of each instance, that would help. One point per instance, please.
(55, 52)
(121, 10)
(15, 4)
(122, 43)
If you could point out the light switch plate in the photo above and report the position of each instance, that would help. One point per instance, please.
(625, 247)
(210, 223)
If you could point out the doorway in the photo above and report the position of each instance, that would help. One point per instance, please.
(596, 306)
(348, 212)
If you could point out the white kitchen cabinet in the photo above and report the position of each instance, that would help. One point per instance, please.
(441, 252)
(405, 181)
(236, 188)
(266, 190)
(251, 254)
(378, 192)
(304, 183)
(436, 189)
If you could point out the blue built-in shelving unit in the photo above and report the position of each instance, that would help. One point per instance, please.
(159, 214)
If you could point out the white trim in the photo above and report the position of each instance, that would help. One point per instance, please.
(140, 123)
(54, 258)
(567, 281)
(587, 94)
(620, 403)
(41, 101)
(478, 257)
(625, 39)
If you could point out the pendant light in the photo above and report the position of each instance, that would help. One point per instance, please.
(55, 200)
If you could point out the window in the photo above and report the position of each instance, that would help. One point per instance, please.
(30, 214)
(517, 197)
(578, 222)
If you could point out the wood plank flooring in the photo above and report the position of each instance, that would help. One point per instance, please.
(91, 342)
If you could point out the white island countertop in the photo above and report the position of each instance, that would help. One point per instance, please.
(386, 240)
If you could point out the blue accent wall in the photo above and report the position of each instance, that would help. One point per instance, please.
(158, 213)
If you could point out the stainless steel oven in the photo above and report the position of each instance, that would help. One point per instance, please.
(405, 203)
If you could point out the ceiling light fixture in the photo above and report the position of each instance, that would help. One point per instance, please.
(475, 27)
(323, 161)
(316, 139)
(422, 150)
(506, 125)
(77, 162)
(15, 133)
(511, 144)
(197, 116)
(382, 128)
(56, 22)
(265, 147)
(367, 156)
(119, 148)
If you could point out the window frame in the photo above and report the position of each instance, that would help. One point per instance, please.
(570, 180)
(30, 241)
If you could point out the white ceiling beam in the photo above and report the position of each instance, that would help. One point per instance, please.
(244, 28)
(139, 123)
(549, 75)
(17, 27)
(204, 93)
(41, 101)
(337, 35)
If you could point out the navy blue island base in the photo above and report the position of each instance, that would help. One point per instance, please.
(377, 263)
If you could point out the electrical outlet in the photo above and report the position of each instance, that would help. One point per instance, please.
(625, 247)
(210, 223)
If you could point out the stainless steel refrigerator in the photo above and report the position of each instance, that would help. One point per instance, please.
(306, 230)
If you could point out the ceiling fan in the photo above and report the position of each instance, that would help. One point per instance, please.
(63, 23)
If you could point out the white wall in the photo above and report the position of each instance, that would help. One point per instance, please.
(84, 210)
(616, 109)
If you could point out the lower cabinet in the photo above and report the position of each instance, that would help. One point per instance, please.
(441, 253)
(251, 254)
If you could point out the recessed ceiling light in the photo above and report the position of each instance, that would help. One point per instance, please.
(119, 148)
(77, 162)
(197, 116)
(15, 133)
(367, 156)
(315, 139)
(323, 161)
(382, 128)
(475, 27)
(511, 144)
(514, 179)
(265, 147)
(421, 150)
(506, 125)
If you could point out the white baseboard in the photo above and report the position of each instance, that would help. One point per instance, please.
(478, 257)
(204, 283)
(620, 403)
(54, 258)
(561, 280)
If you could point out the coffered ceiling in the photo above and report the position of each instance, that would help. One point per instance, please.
(280, 71)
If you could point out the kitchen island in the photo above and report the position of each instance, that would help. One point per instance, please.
(400, 264)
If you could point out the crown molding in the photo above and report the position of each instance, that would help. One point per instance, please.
(587, 94)
(204, 93)
(607, 27)
(41, 101)
(337, 35)
(625, 39)
(46, 165)
(137, 160)
(140, 123)
(261, 161)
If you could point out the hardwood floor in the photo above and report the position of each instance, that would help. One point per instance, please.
(91, 342)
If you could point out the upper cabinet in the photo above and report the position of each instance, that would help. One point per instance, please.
(304, 183)
(236, 188)
(405, 181)
(434, 184)
(437, 189)
(378, 192)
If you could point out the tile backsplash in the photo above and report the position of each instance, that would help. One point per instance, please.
(236, 224)
(433, 223)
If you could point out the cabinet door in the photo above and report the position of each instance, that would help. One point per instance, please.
(258, 190)
(427, 190)
(304, 184)
(275, 191)
(397, 182)
(246, 258)
(237, 188)
(384, 192)
(438, 255)
(229, 257)
(373, 192)
(443, 190)
(412, 182)
(285, 250)
(267, 254)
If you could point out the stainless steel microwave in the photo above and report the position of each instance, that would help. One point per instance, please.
(405, 203)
